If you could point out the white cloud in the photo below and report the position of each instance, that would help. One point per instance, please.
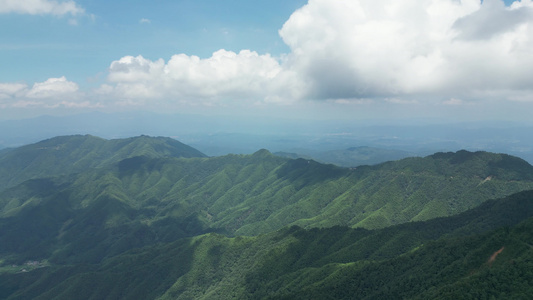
(53, 88)
(343, 51)
(40, 7)
(53, 93)
(145, 21)
(390, 48)
(399, 51)
(9, 90)
(225, 75)
(481, 24)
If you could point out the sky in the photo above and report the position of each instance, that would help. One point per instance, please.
(448, 60)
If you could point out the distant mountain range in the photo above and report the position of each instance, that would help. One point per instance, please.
(216, 136)
(351, 157)
(152, 218)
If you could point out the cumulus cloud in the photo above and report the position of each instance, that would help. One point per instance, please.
(399, 51)
(490, 20)
(9, 90)
(40, 7)
(224, 75)
(52, 93)
(53, 88)
(366, 48)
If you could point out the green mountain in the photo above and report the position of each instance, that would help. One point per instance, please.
(482, 253)
(140, 201)
(259, 193)
(148, 218)
(71, 154)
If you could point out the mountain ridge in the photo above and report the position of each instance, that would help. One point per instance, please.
(64, 154)
(238, 195)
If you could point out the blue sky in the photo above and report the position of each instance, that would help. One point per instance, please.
(37, 47)
(446, 59)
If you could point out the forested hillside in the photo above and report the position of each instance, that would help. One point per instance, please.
(70, 154)
(442, 258)
(150, 217)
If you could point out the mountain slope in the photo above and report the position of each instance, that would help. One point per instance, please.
(425, 260)
(71, 154)
(127, 219)
(141, 201)
(260, 193)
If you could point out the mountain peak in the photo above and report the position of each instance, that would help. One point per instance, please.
(76, 153)
(488, 164)
(157, 147)
(262, 153)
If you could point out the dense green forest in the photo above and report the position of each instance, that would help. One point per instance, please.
(151, 218)
(69, 154)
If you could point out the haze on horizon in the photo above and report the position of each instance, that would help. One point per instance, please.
(449, 60)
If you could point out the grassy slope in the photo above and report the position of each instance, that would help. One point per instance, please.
(445, 257)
